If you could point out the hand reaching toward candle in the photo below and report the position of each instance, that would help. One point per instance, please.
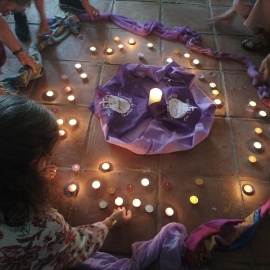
(119, 216)
(92, 11)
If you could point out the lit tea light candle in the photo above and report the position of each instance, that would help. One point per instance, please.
(72, 188)
(116, 39)
(252, 159)
(109, 51)
(258, 130)
(257, 145)
(212, 85)
(217, 101)
(60, 121)
(71, 98)
(200, 76)
(50, 93)
(198, 181)
(96, 184)
(194, 199)
(149, 208)
(105, 166)
(169, 211)
(102, 204)
(83, 76)
(93, 49)
(145, 182)
(111, 190)
(131, 41)
(176, 51)
(169, 60)
(248, 189)
(62, 133)
(252, 104)
(150, 45)
(72, 122)
(118, 201)
(78, 66)
(262, 113)
(196, 62)
(140, 55)
(120, 46)
(68, 89)
(155, 95)
(215, 92)
(136, 202)
(76, 167)
(187, 55)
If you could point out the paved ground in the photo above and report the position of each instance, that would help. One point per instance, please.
(221, 160)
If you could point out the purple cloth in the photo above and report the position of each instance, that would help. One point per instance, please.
(191, 38)
(179, 122)
(166, 250)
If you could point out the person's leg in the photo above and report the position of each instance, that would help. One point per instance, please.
(75, 5)
(21, 25)
(243, 7)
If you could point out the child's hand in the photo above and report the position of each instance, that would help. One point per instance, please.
(50, 172)
(121, 215)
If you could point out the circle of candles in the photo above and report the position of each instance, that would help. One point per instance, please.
(118, 201)
(102, 204)
(78, 66)
(120, 46)
(136, 202)
(71, 98)
(194, 199)
(109, 51)
(199, 181)
(116, 39)
(68, 89)
(140, 55)
(145, 182)
(62, 133)
(252, 104)
(169, 211)
(93, 49)
(169, 60)
(262, 113)
(130, 187)
(76, 167)
(248, 189)
(131, 41)
(155, 95)
(215, 92)
(60, 121)
(105, 166)
(64, 77)
(72, 122)
(49, 93)
(111, 190)
(96, 184)
(252, 159)
(196, 62)
(257, 145)
(187, 55)
(150, 45)
(217, 101)
(83, 75)
(176, 51)
(149, 208)
(167, 185)
(200, 76)
(212, 85)
(258, 130)
(72, 188)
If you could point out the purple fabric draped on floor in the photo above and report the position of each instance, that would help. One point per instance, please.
(185, 35)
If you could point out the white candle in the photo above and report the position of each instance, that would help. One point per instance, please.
(194, 199)
(252, 159)
(83, 75)
(140, 55)
(149, 208)
(105, 166)
(169, 211)
(200, 76)
(60, 121)
(64, 77)
(78, 66)
(72, 188)
(215, 92)
(248, 189)
(217, 101)
(120, 46)
(145, 182)
(93, 49)
(262, 113)
(155, 95)
(131, 41)
(196, 62)
(169, 60)
(212, 85)
(102, 204)
(62, 133)
(71, 98)
(136, 202)
(187, 55)
(257, 145)
(72, 122)
(76, 167)
(118, 201)
(49, 93)
(109, 51)
(258, 130)
(252, 104)
(150, 45)
(96, 184)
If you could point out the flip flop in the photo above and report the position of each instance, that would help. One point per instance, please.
(257, 42)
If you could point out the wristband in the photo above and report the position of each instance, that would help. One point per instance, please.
(18, 51)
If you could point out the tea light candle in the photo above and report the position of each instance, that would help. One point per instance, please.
(169, 60)
(60, 121)
(199, 181)
(96, 184)
(93, 49)
(212, 85)
(169, 211)
(150, 45)
(252, 104)
(72, 188)
(248, 189)
(145, 182)
(111, 190)
(262, 113)
(120, 46)
(105, 166)
(167, 185)
(187, 55)
(140, 55)
(76, 167)
(252, 159)
(257, 145)
(102, 204)
(149, 208)
(83, 76)
(176, 51)
(194, 199)
(130, 187)
(155, 95)
(109, 51)
(217, 101)
(215, 92)
(49, 93)
(131, 41)
(196, 62)
(72, 122)
(258, 130)
(200, 76)
(68, 89)
(118, 201)
(116, 39)
(64, 77)
(62, 133)
(78, 66)
(71, 98)
(136, 202)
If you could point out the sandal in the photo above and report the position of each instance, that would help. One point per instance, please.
(257, 42)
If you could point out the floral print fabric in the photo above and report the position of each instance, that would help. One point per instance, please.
(47, 241)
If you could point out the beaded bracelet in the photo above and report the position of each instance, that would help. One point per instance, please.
(18, 51)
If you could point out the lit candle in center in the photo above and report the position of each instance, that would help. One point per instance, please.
(131, 41)
(155, 95)
(105, 166)
(145, 182)
(136, 202)
(118, 201)
(72, 188)
(169, 211)
(96, 184)
(72, 122)
(194, 199)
